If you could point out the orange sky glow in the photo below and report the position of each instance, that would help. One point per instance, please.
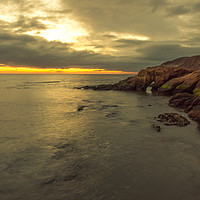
(28, 70)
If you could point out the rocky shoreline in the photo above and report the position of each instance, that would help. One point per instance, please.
(179, 79)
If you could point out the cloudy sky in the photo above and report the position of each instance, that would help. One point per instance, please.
(115, 35)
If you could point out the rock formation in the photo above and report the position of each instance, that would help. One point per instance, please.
(172, 119)
(189, 102)
(180, 77)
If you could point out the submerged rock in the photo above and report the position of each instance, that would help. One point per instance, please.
(156, 127)
(80, 108)
(190, 103)
(108, 106)
(97, 87)
(172, 119)
(111, 115)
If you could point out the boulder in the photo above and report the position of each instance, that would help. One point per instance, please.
(194, 113)
(156, 127)
(189, 102)
(179, 100)
(172, 119)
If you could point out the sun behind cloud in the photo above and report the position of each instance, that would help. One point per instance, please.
(111, 35)
(65, 30)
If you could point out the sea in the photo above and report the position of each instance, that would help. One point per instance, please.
(62, 143)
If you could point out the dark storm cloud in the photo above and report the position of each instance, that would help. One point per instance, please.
(24, 50)
(190, 8)
(28, 24)
(195, 40)
(109, 36)
(35, 51)
(123, 43)
(3, 24)
(171, 26)
(178, 10)
(157, 4)
(133, 16)
(196, 7)
(23, 5)
(161, 52)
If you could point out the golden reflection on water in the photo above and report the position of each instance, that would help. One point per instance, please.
(108, 150)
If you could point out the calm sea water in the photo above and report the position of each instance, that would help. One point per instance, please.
(107, 151)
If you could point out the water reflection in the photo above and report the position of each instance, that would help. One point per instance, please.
(107, 150)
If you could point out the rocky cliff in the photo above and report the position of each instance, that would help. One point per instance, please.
(180, 77)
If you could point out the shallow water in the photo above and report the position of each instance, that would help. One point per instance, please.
(108, 150)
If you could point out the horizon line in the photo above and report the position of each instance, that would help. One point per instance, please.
(72, 70)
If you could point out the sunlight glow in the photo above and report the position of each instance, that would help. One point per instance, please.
(65, 30)
(128, 36)
(53, 4)
(28, 70)
(136, 37)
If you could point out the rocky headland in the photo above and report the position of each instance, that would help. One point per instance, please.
(179, 78)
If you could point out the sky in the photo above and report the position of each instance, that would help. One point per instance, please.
(96, 36)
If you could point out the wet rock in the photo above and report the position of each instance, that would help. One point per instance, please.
(62, 146)
(108, 106)
(180, 99)
(194, 113)
(80, 108)
(90, 101)
(190, 103)
(98, 87)
(172, 119)
(156, 127)
(111, 114)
